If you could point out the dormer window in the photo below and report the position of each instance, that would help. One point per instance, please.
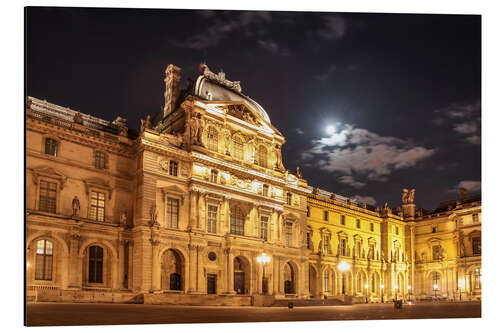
(51, 146)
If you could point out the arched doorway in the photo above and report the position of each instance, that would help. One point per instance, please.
(289, 279)
(172, 270)
(241, 275)
(312, 281)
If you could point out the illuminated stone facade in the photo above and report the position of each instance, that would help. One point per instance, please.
(183, 211)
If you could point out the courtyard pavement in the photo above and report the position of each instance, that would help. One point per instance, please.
(55, 314)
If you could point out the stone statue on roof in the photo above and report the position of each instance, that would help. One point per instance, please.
(220, 78)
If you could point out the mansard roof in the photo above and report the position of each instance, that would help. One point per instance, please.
(212, 86)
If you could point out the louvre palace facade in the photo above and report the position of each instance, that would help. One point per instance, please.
(198, 208)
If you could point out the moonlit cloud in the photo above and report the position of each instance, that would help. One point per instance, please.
(349, 180)
(472, 186)
(334, 27)
(355, 153)
(366, 199)
(464, 119)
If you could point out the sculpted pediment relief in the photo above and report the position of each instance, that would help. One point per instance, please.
(46, 171)
(289, 217)
(475, 233)
(241, 111)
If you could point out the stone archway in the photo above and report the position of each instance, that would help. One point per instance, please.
(313, 281)
(289, 278)
(172, 270)
(241, 275)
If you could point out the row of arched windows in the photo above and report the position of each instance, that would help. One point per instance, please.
(237, 147)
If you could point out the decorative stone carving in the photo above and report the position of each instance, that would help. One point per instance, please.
(220, 78)
(75, 204)
(226, 134)
(78, 118)
(153, 212)
(195, 126)
(408, 196)
(123, 218)
(146, 124)
(298, 173)
(278, 164)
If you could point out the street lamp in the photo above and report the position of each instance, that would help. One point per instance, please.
(366, 290)
(263, 259)
(382, 286)
(461, 285)
(436, 288)
(409, 294)
(396, 289)
(343, 266)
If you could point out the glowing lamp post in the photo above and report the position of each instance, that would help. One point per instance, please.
(343, 266)
(409, 294)
(366, 290)
(436, 288)
(263, 259)
(461, 285)
(382, 286)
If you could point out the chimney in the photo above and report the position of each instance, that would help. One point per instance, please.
(172, 79)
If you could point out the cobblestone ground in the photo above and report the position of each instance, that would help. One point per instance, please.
(52, 314)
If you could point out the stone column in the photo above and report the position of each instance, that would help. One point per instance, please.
(121, 263)
(156, 266)
(192, 269)
(192, 209)
(230, 272)
(275, 275)
(412, 249)
(75, 273)
(259, 275)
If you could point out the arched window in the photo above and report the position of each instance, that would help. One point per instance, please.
(237, 221)
(95, 264)
(51, 146)
(212, 139)
(238, 148)
(326, 281)
(262, 157)
(43, 264)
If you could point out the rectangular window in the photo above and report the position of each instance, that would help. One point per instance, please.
(172, 213)
(372, 228)
(434, 230)
(264, 220)
(48, 193)
(43, 264)
(265, 190)
(289, 198)
(397, 230)
(476, 246)
(172, 168)
(475, 218)
(325, 215)
(288, 233)
(51, 147)
(343, 247)
(372, 251)
(326, 244)
(436, 249)
(358, 224)
(97, 203)
(342, 219)
(100, 160)
(212, 219)
(213, 176)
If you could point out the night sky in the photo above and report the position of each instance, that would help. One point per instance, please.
(369, 103)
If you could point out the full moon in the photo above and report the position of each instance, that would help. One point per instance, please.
(330, 129)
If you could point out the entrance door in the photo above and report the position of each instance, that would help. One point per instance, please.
(211, 284)
(239, 282)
